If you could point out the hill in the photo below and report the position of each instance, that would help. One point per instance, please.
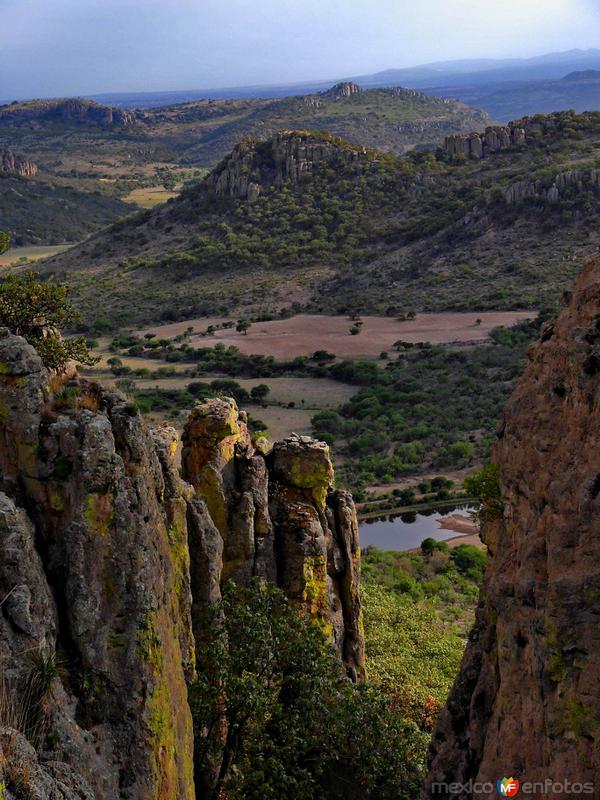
(41, 212)
(393, 120)
(309, 221)
(70, 111)
(142, 156)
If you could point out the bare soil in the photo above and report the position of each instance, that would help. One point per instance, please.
(306, 333)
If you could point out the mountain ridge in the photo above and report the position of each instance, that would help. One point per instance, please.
(355, 229)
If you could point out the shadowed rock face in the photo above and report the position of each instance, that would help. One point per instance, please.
(107, 557)
(11, 164)
(526, 702)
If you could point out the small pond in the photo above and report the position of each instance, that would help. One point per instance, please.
(407, 531)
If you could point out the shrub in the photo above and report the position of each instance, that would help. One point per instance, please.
(293, 726)
(38, 311)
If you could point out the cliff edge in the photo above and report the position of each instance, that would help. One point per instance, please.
(526, 701)
(107, 557)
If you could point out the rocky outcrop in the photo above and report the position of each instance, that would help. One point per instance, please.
(481, 145)
(564, 183)
(73, 111)
(526, 701)
(343, 89)
(108, 558)
(286, 158)
(11, 164)
(280, 519)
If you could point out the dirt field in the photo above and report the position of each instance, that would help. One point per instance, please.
(306, 333)
(32, 253)
(149, 197)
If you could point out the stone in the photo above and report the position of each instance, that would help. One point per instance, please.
(11, 164)
(109, 557)
(526, 701)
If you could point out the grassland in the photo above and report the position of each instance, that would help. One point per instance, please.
(30, 253)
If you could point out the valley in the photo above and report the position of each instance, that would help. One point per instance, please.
(333, 379)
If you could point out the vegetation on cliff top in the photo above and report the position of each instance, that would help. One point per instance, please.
(38, 311)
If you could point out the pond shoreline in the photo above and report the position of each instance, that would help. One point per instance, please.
(434, 505)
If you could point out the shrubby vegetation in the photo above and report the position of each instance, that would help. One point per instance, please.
(419, 608)
(38, 311)
(293, 725)
(434, 407)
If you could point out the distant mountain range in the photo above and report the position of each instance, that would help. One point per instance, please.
(530, 81)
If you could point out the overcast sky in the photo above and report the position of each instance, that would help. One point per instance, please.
(67, 47)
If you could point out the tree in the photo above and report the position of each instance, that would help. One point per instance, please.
(274, 717)
(260, 392)
(430, 546)
(38, 310)
(4, 242)
(243, 325)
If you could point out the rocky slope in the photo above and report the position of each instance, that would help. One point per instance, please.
(526, 701)
(106, 558)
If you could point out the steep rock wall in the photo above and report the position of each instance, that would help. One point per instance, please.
(526, 702)
(280, 519)
(11, 164)
(108, 557)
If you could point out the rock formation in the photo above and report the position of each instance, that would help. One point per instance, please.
(481, 145)
(343, 89)
(107, 557)
(526, 701)
(287, 157)
(11, 164)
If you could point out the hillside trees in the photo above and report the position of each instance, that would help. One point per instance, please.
(38, 311)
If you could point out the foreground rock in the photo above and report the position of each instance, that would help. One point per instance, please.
(107, 558)
(526, 703)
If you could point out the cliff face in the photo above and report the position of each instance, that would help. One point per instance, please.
(526, 702)
(11, 164)
(286, 157)
(107, 556)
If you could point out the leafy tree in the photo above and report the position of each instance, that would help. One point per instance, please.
(469, 560)
(430, 545)
(4, 242)
(243, 326)
(38, 310)
(260, 392)
(284, 721)
(484, 484)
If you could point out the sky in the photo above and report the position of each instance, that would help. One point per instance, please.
(74, 47)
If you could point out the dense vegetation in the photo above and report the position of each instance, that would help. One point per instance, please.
(375, 234)
(432, 408)
(419, 608)
(294, 725)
